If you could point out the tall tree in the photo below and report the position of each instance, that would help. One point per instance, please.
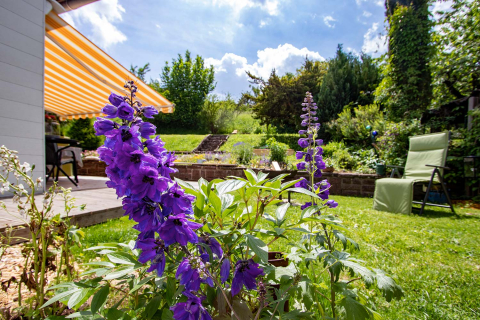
(349, 80)
(458, 42)
(409, 51)
(277, 101)
(140, 72)
(186, 83)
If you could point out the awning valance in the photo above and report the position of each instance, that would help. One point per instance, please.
(79, 76)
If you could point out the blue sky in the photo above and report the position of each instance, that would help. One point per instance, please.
(232, 35)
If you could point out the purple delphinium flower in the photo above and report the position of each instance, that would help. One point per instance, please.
(246, 272)
(225, 270)
(299, 155)
(149, 112)
(165, 165)
(306, 205)
(115, 99)
(125, 111)
(179, 229)
(155, 147)
(191, 309)
(131, 159)
(103, 126)
(192, 272)
(147, 183)
(302, 184)
(301, 165)
(303, 142)
(177, 200)
(153, 250)
(110, 111)
(331, 204)
(147, 129)
(213, 244)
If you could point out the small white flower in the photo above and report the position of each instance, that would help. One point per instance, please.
(16, 198)
(22, 212)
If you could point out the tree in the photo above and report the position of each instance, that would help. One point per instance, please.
(83, 131)
(349, 79)
(186, 83)
(277, 101)
(408, 82)
(458, 42)
(140, 72)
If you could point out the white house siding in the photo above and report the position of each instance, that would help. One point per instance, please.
(22, 53)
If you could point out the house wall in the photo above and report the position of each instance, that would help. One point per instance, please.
(22, 53)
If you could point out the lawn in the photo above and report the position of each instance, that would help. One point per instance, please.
(182, 142)
(434, 257)
(259, 140)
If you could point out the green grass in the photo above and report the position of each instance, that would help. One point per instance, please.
(254, 140)
(182, 142)
(434, 257)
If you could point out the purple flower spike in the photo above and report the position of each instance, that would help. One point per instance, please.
(147, 129)
(299, 155)
(178, 229)
(177, 200)
(213, 244)
(153, 250)
(331, 204)
(246, 272)
(110, 111)
(192, 309)
(103, 126)
(147, 183)
(302, 184)
(301, 165)
(192, 272)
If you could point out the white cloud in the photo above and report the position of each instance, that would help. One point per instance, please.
(441, 6)
(380, 3)
(269, 6)
(367, 14)
(230, 69)
(374, 43)
(158, 26)
(328, 21)
(263, 23)
(100, 16)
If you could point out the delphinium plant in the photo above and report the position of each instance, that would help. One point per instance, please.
(202, 252)
(51, 236)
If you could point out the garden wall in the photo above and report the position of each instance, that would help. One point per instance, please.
(347, 184)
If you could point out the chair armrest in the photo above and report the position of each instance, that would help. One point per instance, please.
(434, 166)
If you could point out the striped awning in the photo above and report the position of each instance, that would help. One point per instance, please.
(79, 76)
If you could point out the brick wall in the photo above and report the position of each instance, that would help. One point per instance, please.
(347, 184)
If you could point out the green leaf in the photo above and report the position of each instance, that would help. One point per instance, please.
(241, 309)
(100, 263)
(280, 213)
(167, 314)
(367, 275)
(152, 306)
(388, 286)
(121, 258)
(308, 212)
(60, 296)
(80, 314)
(216, 202)
(99, 299)
(229, 186)
(258, 246)
(120, 272)
(187, 186)
(79, 298)
(302, 190)
(354, 310)
(251, 176)
(141, 283)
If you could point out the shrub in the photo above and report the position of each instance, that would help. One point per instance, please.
(216, 115)
(393, 144)
(82, 130)
(243, 152)
(330, 148)
(352, 121)
(278, 151)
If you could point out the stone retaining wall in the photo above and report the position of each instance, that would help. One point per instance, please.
(347, 184)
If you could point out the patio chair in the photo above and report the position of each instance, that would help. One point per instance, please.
(53, 157)
(425, 164)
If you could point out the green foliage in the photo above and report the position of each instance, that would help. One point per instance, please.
(82, 130)
(342, 159)
(218, 115)
(278, 150)
(457, 41)
(260, 140)
(393, 144)
(140, 72)
(244, 123)
(351, 124)
(243, 152)
(349, 79)
(277, 101)
(407, 85)
(186, 83)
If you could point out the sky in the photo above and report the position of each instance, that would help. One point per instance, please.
(232, 35)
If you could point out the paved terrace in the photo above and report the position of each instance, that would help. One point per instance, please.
(101, 204)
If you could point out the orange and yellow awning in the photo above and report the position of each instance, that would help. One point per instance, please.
(79, 76)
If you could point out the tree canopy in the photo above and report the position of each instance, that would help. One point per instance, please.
(186, 83)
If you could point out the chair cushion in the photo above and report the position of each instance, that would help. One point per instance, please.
(393, 195)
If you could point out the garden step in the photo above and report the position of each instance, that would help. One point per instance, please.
(212, 142)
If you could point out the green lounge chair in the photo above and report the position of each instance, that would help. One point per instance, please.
(425, 164)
